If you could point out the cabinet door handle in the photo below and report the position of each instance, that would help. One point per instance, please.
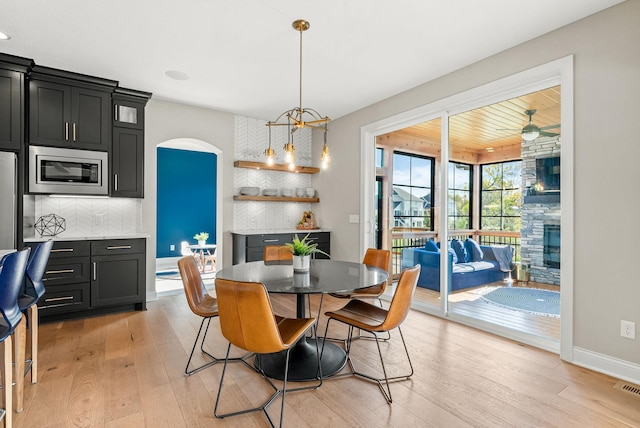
(95, 269)
(62, 250)
(115, 181)
(57, 299)
(270, 240)
(115, 112)
(66, 131)
(119, 247)
(74, 131)
(59, 271)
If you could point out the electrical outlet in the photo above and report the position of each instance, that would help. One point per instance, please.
(172, 247)
(628, 329)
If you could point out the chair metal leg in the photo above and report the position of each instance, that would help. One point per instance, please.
(276, 393)
(214, 360)
(387, 380)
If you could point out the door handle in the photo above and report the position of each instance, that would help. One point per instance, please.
(119, 247)
(95, 269)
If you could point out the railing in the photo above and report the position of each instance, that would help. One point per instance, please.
(406, 239)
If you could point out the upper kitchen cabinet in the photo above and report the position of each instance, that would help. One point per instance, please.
(69, 110)
(127, 150)
(128, 108)
(12, 97)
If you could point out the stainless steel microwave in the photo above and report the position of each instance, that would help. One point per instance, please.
(68, 171)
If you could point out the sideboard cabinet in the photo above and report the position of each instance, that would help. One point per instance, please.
(249, 247)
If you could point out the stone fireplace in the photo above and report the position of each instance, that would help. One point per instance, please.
(540, 242)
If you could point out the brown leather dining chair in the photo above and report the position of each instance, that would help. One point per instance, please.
(374, 319)
(248, 322)
(201, 304)
(372, 257)
(277, 253)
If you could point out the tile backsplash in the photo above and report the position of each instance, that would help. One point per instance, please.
(86, 216)
(251, 140)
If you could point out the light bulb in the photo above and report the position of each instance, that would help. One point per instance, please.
(289, 153)
(325, 158)
(271, 155)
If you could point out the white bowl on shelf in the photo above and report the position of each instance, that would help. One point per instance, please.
(310, 192)
(250, 191)
(270, 192)
(300, 192)
(286, 192)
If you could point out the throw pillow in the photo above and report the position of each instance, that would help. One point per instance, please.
(454, 258)
(430, 245)
(459, 249)
(474, 252)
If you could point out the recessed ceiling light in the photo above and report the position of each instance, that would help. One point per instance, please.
(176, 75)
(490, 149)
(4, 36)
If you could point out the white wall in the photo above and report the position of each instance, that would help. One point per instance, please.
(166, 121)
(607, 149)
(607, 86)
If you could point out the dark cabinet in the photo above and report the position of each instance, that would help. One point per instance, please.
(69, 110)
(67, 116)
(128, 113)
(250, 247)
(91, 277)
(66, 278)
(127, 148)
(127, 163)
(118, 272)
(13, 70)
(11, 109)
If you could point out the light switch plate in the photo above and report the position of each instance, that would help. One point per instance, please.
(354, 218)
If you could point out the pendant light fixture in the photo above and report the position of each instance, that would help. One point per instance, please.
(298, 118)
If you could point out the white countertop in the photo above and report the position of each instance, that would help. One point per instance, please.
(276, 231)
(84, 238)
(5, 251)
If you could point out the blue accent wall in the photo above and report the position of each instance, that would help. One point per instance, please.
(186, 200)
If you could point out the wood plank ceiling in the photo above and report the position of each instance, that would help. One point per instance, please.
(485, 134)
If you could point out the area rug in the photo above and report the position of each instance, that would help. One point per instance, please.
(530, 300)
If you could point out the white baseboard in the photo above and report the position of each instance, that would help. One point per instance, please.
(608, 365)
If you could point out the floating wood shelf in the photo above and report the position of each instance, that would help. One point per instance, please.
(277, 167)
(273, 199)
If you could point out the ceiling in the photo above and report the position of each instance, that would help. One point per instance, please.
(243, 56)
(496, 127)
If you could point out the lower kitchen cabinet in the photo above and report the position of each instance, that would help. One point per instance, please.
(118, 272)
(86, 278)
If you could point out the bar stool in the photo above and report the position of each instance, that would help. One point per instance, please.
(28, 304)
(11, 280)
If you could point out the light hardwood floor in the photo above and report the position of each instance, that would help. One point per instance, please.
(126, 370)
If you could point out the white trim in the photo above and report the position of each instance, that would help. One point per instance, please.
(553, 73)
(608, 365)
(196, 145)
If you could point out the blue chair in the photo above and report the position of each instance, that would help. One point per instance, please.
(11, 280)
(28, 304)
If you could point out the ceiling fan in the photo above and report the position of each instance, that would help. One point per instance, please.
(531, 131)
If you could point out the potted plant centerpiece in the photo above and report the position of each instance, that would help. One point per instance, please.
(201, 238)
(302, 249)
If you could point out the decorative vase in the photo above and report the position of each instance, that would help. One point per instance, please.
(301, 263)
(202, 243)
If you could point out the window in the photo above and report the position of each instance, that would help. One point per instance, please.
(412, 191)
(459, 195)
(379, 157)
(501, 196)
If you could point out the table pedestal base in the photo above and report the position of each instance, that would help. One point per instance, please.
(303, 363)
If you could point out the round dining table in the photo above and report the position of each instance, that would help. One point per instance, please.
(324, 276)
